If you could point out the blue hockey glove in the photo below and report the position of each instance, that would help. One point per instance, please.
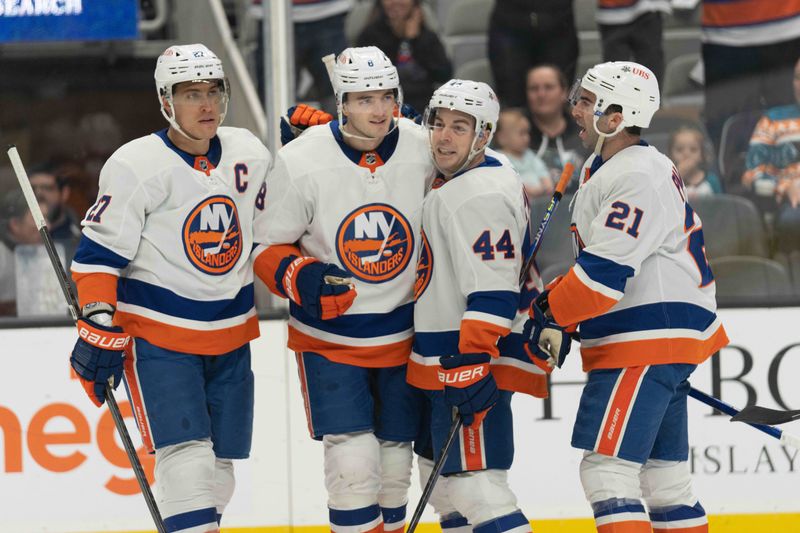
(97, 357)
(547, 344)
(410, 113)
(323, 290)
(469, 385)
(298, 118)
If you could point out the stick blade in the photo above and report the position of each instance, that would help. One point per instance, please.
(761, 415)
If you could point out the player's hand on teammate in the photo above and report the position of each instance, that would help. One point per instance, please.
(298, 118)
(323, 290)
(97, 357)
(546, 342)
(469, 385)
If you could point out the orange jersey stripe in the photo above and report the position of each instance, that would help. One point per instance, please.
(184, 340)
(514, 379)
(387, 355)
(572, 302)
(653, 352)
(605, 4)
(301, 372)
(621, 404)
(746, 12)
(477, 336)
(471, 444)
(630, 526)
(266, 264)
(136, 398)
(96, 287)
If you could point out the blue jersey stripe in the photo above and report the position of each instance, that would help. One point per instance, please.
(499, 303)
(191, 519)
(436, 343)
(662, 315)
(147, 295)
(355, 517)
(92, 253)
(360, 326)
(605, 271)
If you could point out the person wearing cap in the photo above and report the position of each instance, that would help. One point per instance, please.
(165, 286)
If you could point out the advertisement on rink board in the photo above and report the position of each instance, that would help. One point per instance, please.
(59, 449)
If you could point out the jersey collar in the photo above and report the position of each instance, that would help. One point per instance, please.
(213, 155)
(384, 150)
(597, 162)
(488, 161)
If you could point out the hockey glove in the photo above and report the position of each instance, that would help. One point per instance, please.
(97, 357)
(298, 118)
(469, 385)
(410, 113)
(321, 289)
(547, 344)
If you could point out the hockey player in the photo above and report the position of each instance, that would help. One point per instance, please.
(643, 294)
(164, 262)
(345, 201)
(475, 237)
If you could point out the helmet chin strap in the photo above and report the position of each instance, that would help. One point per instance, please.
(177, 127)
(598, 147)
(470, 156)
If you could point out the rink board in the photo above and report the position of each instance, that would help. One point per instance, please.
(60, 452)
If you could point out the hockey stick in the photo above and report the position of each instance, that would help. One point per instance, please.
(437, 469)
(729, 410)
(754, 414)
(72, 304)
(566, 174)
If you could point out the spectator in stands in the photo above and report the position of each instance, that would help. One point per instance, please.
(53, 190)
(749, 48)
(773, 166)
(17, 228)
(689, 151)
(513, 138)
(398, 28)
(525, 33)
(633, 31)
(554, 135)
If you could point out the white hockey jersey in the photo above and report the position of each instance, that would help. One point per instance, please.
(641, 289)
(360, 211)
(169, 239)
(475, 238)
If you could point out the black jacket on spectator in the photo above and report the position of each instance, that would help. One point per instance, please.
(421, 62)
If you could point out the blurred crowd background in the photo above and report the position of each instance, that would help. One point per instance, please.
(729, 74)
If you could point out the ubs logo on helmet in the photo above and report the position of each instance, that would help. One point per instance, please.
(424, 267)
(374, 242)
(212, 237)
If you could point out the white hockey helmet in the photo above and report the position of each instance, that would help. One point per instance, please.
(189, 62)
(474, 98)
(363, 69)
(629, 85)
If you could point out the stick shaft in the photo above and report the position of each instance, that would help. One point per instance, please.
(72, 302)
(437, 469)
(729, 410)
(563, 181)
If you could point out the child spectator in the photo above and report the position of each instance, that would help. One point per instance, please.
(688, 150)
(513, 137)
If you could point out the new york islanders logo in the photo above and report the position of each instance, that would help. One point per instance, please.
(374, 243)
(424, 267)
(212, 237)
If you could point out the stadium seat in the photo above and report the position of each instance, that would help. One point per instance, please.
(476, 70)
(678, 88)
(466, 30)
(732, 226)
(584, 15)
(741, 277)
(557, 240)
